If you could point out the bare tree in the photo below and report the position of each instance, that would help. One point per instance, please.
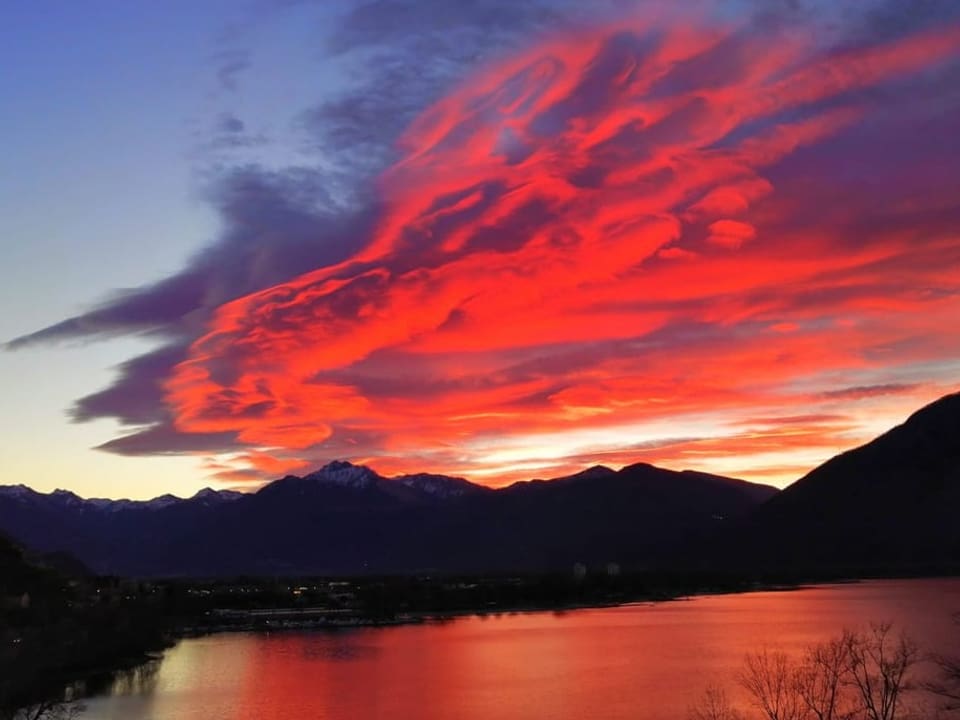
(820, 679)
(855, 676)
(947, 686)
(770, 678)
(714, 705)
(878, 664)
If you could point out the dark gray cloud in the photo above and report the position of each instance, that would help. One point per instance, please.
(230, 133)
(403, 55)
(163, 439)
(231, 64)
(136, 397)
(867, 391)
(231, 124)
(893, 18)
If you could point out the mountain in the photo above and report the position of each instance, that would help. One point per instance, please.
(62, 527)
(13, 569)
(347, 519)
(18, 574)
(892, 503)
(440, 486)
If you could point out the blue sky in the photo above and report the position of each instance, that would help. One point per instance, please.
(107, 111)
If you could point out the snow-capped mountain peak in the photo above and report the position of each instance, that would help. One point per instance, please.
(162, 502)
(70, 499)
(344, 474)
(209, 495)
(438, 486)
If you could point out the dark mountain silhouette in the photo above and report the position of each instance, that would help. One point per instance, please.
(889, 505)
(18, 574)
(893, 503)
(347, 519)
(12, 568)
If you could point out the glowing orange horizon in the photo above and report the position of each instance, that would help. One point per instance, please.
(583, 258)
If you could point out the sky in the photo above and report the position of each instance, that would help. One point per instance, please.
(490, 238)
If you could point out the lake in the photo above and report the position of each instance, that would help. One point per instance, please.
(642, 661)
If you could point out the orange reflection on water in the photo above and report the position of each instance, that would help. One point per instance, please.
(642, 662)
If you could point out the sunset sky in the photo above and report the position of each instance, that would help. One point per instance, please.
(488, 238)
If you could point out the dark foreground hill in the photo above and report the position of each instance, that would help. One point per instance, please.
(16, 575)
(892, 504)
(347, 519)
(58, 629)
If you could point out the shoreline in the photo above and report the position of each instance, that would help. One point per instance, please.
(272, 623)
(440, 616)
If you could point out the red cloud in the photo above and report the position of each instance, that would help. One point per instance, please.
(731, 233)
(522, 285)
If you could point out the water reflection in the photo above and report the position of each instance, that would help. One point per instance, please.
(642, 662)
(344, 647)
(141, 680)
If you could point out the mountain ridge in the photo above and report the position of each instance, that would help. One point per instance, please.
(346, 473)
(891, 502)
(345, 519)
(886, 506)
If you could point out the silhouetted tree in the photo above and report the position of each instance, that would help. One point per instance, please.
(820, 678)
(947, 685)
(771, 680)
(877, 667)
(714, 705)
(855, 676)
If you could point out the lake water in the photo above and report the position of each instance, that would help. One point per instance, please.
(642, 662)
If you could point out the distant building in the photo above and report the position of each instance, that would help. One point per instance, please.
(579, 571)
